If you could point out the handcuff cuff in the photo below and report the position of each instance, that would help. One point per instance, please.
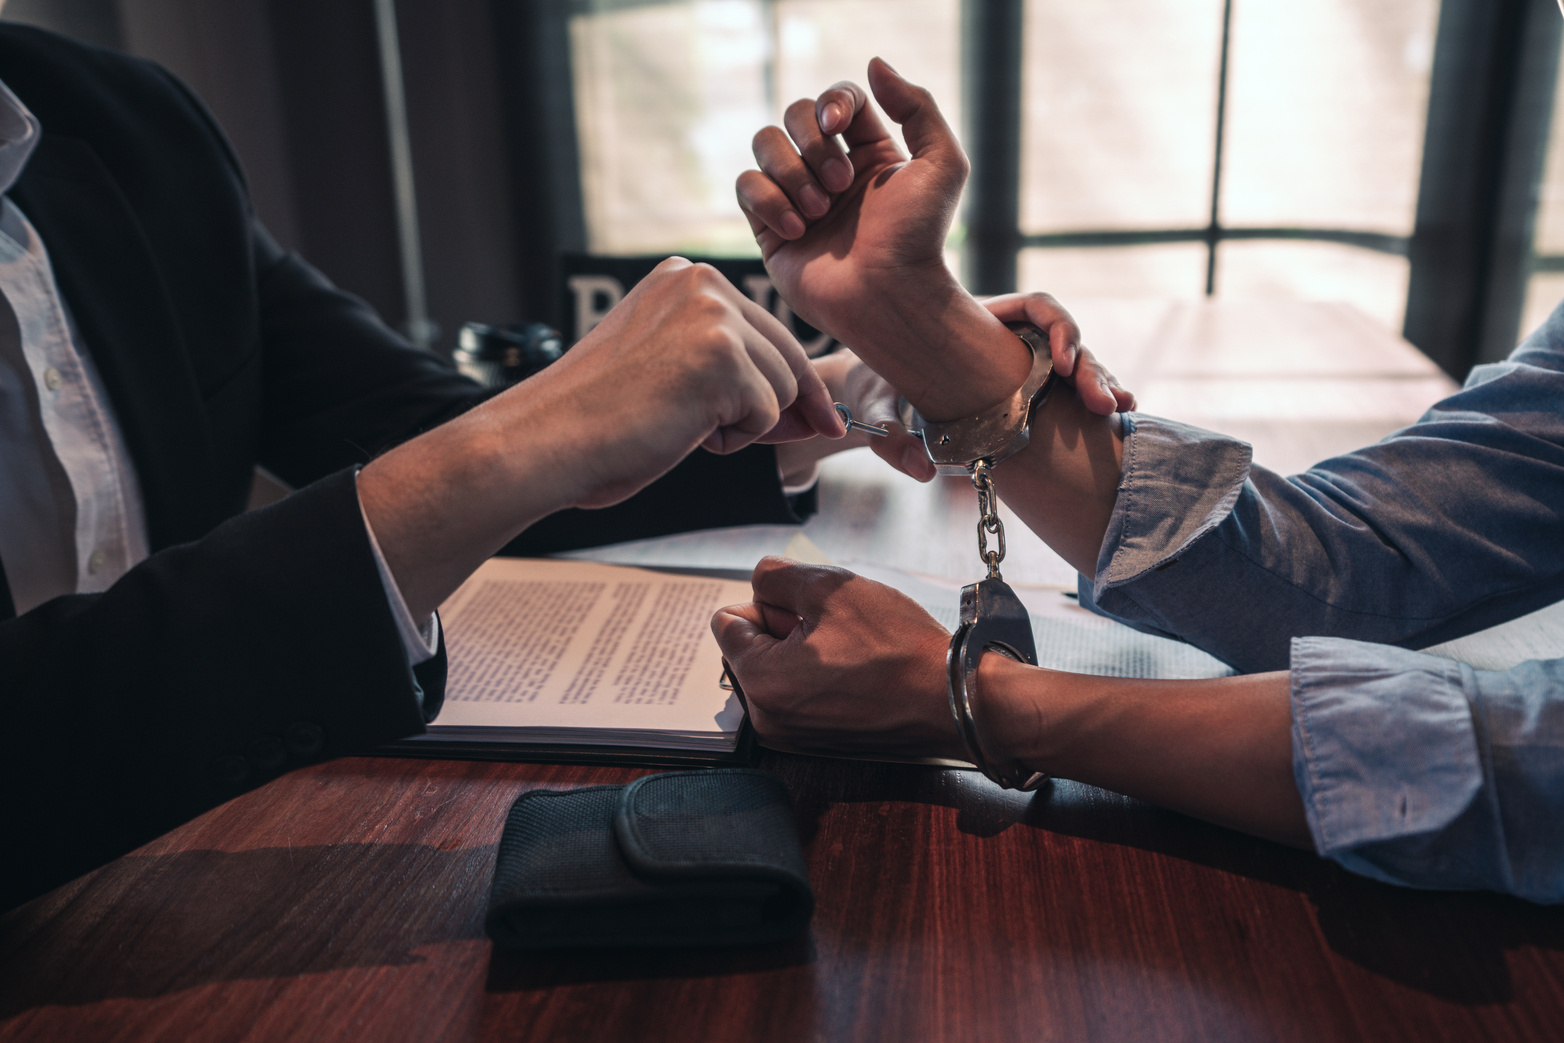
(992, 617)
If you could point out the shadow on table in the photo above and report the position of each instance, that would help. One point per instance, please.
(146, 926)
(1449, 944)
(516, 970)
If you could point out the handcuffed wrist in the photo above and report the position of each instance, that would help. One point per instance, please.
(985, 743)
(993, 435)
(1001, 730)
(963, 360)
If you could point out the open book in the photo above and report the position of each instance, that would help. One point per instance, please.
(575, 660)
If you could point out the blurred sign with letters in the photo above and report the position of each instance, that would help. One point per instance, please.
(591, 286)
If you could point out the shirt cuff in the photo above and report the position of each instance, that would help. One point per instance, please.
(799, 488)
(420, 641)
(1178, 483)
(1384, 743)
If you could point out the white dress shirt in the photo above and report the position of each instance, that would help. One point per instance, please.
(71, 519)
(71, 514)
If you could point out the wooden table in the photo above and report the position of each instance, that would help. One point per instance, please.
(345, 901)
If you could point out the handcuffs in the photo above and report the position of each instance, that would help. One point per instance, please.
(992, 617)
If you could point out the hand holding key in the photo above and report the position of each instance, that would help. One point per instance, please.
(855, 425)
(684, 361)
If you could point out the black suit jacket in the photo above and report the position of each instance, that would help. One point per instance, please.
(248, 643)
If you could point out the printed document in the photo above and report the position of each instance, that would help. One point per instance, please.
(569, 651)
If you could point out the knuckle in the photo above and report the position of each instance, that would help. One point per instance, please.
(845, 91)
(713, 340)
(670, 266)
(710, 310)
(698, 295)
(705, 276)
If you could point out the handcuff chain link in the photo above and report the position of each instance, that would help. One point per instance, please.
(988, 517)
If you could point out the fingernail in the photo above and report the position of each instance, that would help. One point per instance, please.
(837, 174)
(813, 200)
(792, 225)
(831, 116)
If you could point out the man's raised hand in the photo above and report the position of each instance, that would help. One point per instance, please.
(836, 223)
(868, 267)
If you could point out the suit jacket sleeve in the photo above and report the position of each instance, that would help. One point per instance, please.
(207, 670)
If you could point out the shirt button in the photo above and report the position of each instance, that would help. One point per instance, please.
(95, 562)
(52, 379)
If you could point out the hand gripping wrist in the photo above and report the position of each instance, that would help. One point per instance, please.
(997, 433)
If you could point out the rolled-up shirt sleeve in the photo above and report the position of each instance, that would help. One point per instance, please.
(1178, 483)
(1439, 530)
(1422, 771)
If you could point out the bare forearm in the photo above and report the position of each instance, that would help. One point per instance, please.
(938, 346)
(1218, 749)
(1064, 484)
(443, 503)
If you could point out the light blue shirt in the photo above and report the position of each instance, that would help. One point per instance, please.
(1413, 769)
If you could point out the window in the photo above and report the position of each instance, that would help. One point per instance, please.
(1320, 111)
(669, 94)
(1168, 148)
(1545, 284)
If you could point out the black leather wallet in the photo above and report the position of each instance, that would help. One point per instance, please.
(683, 858)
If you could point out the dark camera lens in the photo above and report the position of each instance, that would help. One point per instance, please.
(497, 356)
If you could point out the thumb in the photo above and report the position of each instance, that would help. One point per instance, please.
(741, 633)
(922, 124)
(905, 453)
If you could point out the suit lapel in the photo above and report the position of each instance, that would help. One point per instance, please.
(108, 275)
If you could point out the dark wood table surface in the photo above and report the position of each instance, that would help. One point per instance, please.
(346, 902)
